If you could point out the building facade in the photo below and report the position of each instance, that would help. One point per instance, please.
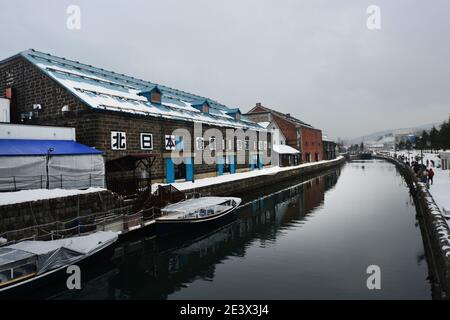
(122, 116)
(330, 148)
(299, 135)
(283, 155)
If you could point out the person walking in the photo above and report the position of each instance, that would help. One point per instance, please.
(430, 176)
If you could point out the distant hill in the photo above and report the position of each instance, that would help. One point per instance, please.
(388, 135)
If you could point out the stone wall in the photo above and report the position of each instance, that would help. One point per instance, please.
(435, 232)
(48, 211)
(240, 187)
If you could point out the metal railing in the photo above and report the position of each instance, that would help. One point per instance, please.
(16, 183)
(120, 219)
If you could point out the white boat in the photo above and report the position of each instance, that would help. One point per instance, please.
(195, 212)
(26, 264)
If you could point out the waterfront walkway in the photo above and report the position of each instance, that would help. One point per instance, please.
(205, 182)
(440, 189)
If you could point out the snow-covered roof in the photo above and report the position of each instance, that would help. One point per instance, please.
(192, 205)
(264, 124)
(107, 90)
(326, 138)
(284, 149)
(285, 116)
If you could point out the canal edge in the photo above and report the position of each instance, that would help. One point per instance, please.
(434, 228)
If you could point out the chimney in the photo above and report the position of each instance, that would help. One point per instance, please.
(10, 94)
(258, 104)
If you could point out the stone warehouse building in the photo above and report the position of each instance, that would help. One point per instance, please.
(299, 135)
(128, 117)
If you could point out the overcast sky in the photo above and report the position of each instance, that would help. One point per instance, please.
(315, 59)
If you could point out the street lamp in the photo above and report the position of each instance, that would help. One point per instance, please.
(49, 150)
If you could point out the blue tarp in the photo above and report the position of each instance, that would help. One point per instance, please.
(15, 147)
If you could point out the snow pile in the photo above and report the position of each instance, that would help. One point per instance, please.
(40, 194)
(440, 189)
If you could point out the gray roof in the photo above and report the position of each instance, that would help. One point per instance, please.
(284, 116)
(107, 90)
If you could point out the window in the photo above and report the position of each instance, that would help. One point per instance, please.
(146, 141)
(212, 143)
(239, 145)
(155, 97)
(247, 144)
(179, 143)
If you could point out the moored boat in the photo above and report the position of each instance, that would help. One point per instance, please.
(28, 264)
(195, 213)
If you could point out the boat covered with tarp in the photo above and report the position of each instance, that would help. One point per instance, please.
(197, 211)
(27, 261)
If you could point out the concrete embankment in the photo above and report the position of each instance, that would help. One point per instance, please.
(258, 182)
(435, 231)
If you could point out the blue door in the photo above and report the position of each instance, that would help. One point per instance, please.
(232, 165)
(252, 163)
(170, 170)
(260, 163)
(189, 170)
(220, 165)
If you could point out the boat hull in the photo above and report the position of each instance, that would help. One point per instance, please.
(169, 226)
(56, 278)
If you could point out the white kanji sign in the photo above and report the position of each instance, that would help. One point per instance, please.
(199, 143)
(118, 140)
(170, 142)
(146, 141)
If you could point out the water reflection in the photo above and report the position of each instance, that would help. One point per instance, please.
(155, 268)
(302, 240)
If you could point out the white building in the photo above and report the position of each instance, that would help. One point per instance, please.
(445, 160)
(282, 154)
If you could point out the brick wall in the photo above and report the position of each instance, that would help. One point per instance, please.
(93, 127)
(29, 214)
(311, 143)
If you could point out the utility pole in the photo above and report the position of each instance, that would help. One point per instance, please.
(46, 166)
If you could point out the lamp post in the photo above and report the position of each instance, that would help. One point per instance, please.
(46, 166)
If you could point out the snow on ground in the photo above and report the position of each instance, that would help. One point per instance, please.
(186, 185)
(40, 194)
(440, 189)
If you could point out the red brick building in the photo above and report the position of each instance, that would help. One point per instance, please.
(299, 135)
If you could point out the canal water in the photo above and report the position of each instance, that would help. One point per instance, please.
(310, 240)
